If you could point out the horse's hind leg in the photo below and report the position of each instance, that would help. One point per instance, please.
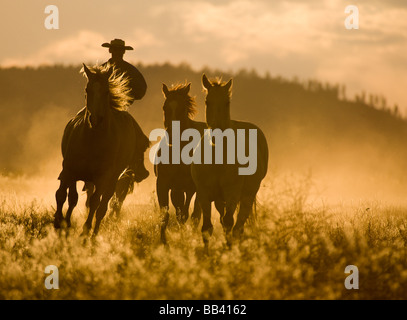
(72, 201)
(162, 189)
(60, 197)
(178, 200)
(196, 214)
(228, 221)
(220, 206)
(185, 209)
(207, 227)
(93, 205)
(123, 186)
(246, 205)
(101, 210)
(116, 204)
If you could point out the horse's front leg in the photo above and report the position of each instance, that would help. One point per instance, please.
(220, 206)
(231, 201)
(178, 200)
(93, 205)
(185, 209)
(60, 197)
(196, 213)
(123, 185)
(102, 208)
(72, 201)
(228, 221)
(162, 189)
(207, 227)
(246, 206)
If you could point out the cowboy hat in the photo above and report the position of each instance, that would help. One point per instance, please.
(117, 43)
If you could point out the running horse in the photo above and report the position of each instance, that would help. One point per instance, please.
(98, 145)
(221, 183)
(175, 178)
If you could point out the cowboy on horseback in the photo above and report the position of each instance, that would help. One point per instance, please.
(138, 87)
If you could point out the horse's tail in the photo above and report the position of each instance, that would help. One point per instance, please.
(141, 145)
(255, 209)
(252, 219)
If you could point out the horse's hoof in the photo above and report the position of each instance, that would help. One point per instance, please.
(229, 239)
(93, 238)
(178, 215)
(164, 241)
(57, 224)
(63, 224)
(67, 223)
(238, 233)
(85, 232)
(206, 235)
(206, 249)
(163, 237)
(195, 223)
(184, 218)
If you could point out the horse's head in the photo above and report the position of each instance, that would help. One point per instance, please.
(97, 93)
(217, 103)
(178, 105)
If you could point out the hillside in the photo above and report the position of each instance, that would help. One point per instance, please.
(309, 126)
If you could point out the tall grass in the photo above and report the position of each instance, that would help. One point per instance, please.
(293, 250)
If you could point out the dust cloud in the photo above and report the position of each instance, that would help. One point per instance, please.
(347, 148)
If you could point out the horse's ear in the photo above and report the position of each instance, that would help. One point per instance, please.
(205, 82)
(165, 90)
(187, 88)
(229, 84)
(87, 71)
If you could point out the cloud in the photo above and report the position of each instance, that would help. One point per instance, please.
(307, 39)
(240, 31)
(371, 58)
(141, 38)
(286, 35)
(84, 46)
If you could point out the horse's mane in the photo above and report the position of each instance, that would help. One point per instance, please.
(218, 82)
(190, 104)
(119, 85)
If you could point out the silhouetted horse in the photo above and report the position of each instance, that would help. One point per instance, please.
(222, 183)
(97, 146)
(178, 106)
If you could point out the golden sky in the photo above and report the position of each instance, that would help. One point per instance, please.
(306, 39)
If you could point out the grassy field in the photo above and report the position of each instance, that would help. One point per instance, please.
(296, 249)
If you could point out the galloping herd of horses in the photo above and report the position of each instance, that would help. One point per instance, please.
(99, 147)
